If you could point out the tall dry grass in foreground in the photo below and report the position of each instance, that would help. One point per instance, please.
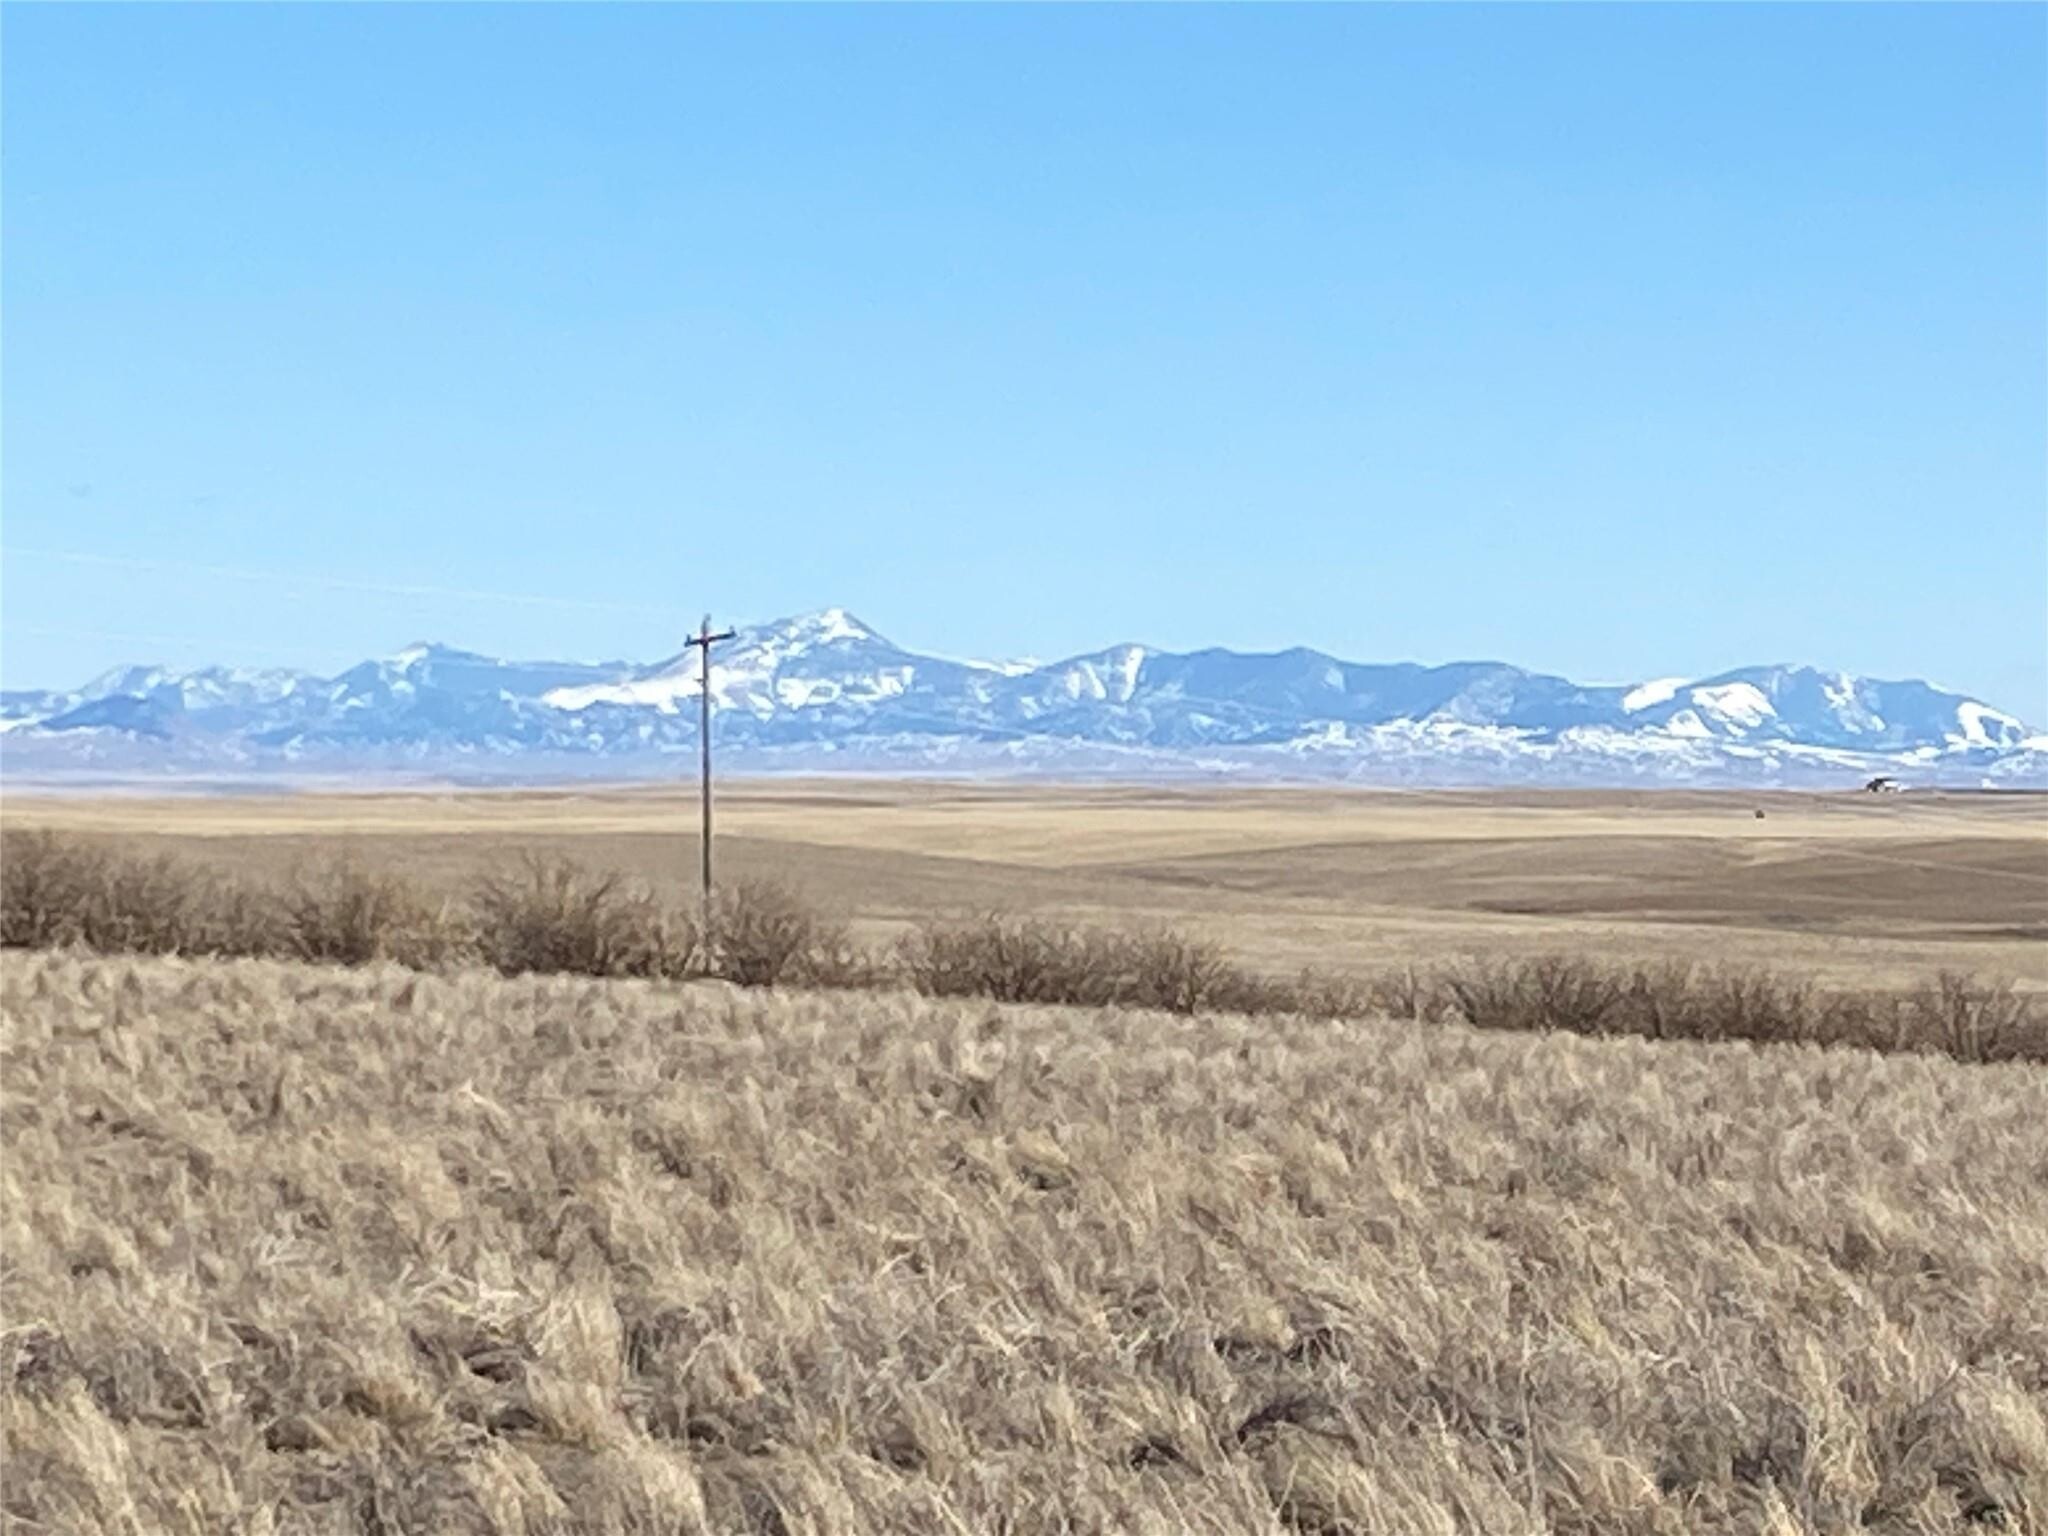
(310, 1250)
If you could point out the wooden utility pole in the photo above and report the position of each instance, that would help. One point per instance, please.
(704, 639)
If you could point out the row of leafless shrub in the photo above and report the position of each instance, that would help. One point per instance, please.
(537, 915)
(1954, 1015)
(1025, 960)
(552, 916)
(1038, 960)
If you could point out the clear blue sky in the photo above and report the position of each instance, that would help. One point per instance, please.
(1611, 341)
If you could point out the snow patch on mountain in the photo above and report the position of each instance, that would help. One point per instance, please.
(660, 693)
(1687, 723)
(1844, 695)
(1980, 725)
(1644, 695)
(837, 624)
(1741, 706)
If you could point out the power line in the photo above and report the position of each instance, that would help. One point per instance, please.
(275, 656)
(703, 640)
(338, 583)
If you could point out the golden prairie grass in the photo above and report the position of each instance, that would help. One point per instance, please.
(298, 1249)
(553, 915)
(1853, 890)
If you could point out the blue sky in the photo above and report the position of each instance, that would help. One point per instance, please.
(1617, 342)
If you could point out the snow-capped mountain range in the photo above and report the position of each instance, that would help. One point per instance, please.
(824, 691)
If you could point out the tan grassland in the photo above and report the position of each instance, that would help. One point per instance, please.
(1859, 890)
(289, 1249)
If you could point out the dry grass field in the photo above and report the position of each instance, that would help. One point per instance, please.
(291, 1249)
(1857, 889)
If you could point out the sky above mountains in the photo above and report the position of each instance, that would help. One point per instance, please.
(1615, 342)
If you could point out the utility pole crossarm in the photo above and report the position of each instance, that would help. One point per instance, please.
(704, 639)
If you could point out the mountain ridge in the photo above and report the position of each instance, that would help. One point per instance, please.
(824, 690)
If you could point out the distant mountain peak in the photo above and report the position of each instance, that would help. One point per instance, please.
(435, 650)
(822, 626)
(837, 624)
